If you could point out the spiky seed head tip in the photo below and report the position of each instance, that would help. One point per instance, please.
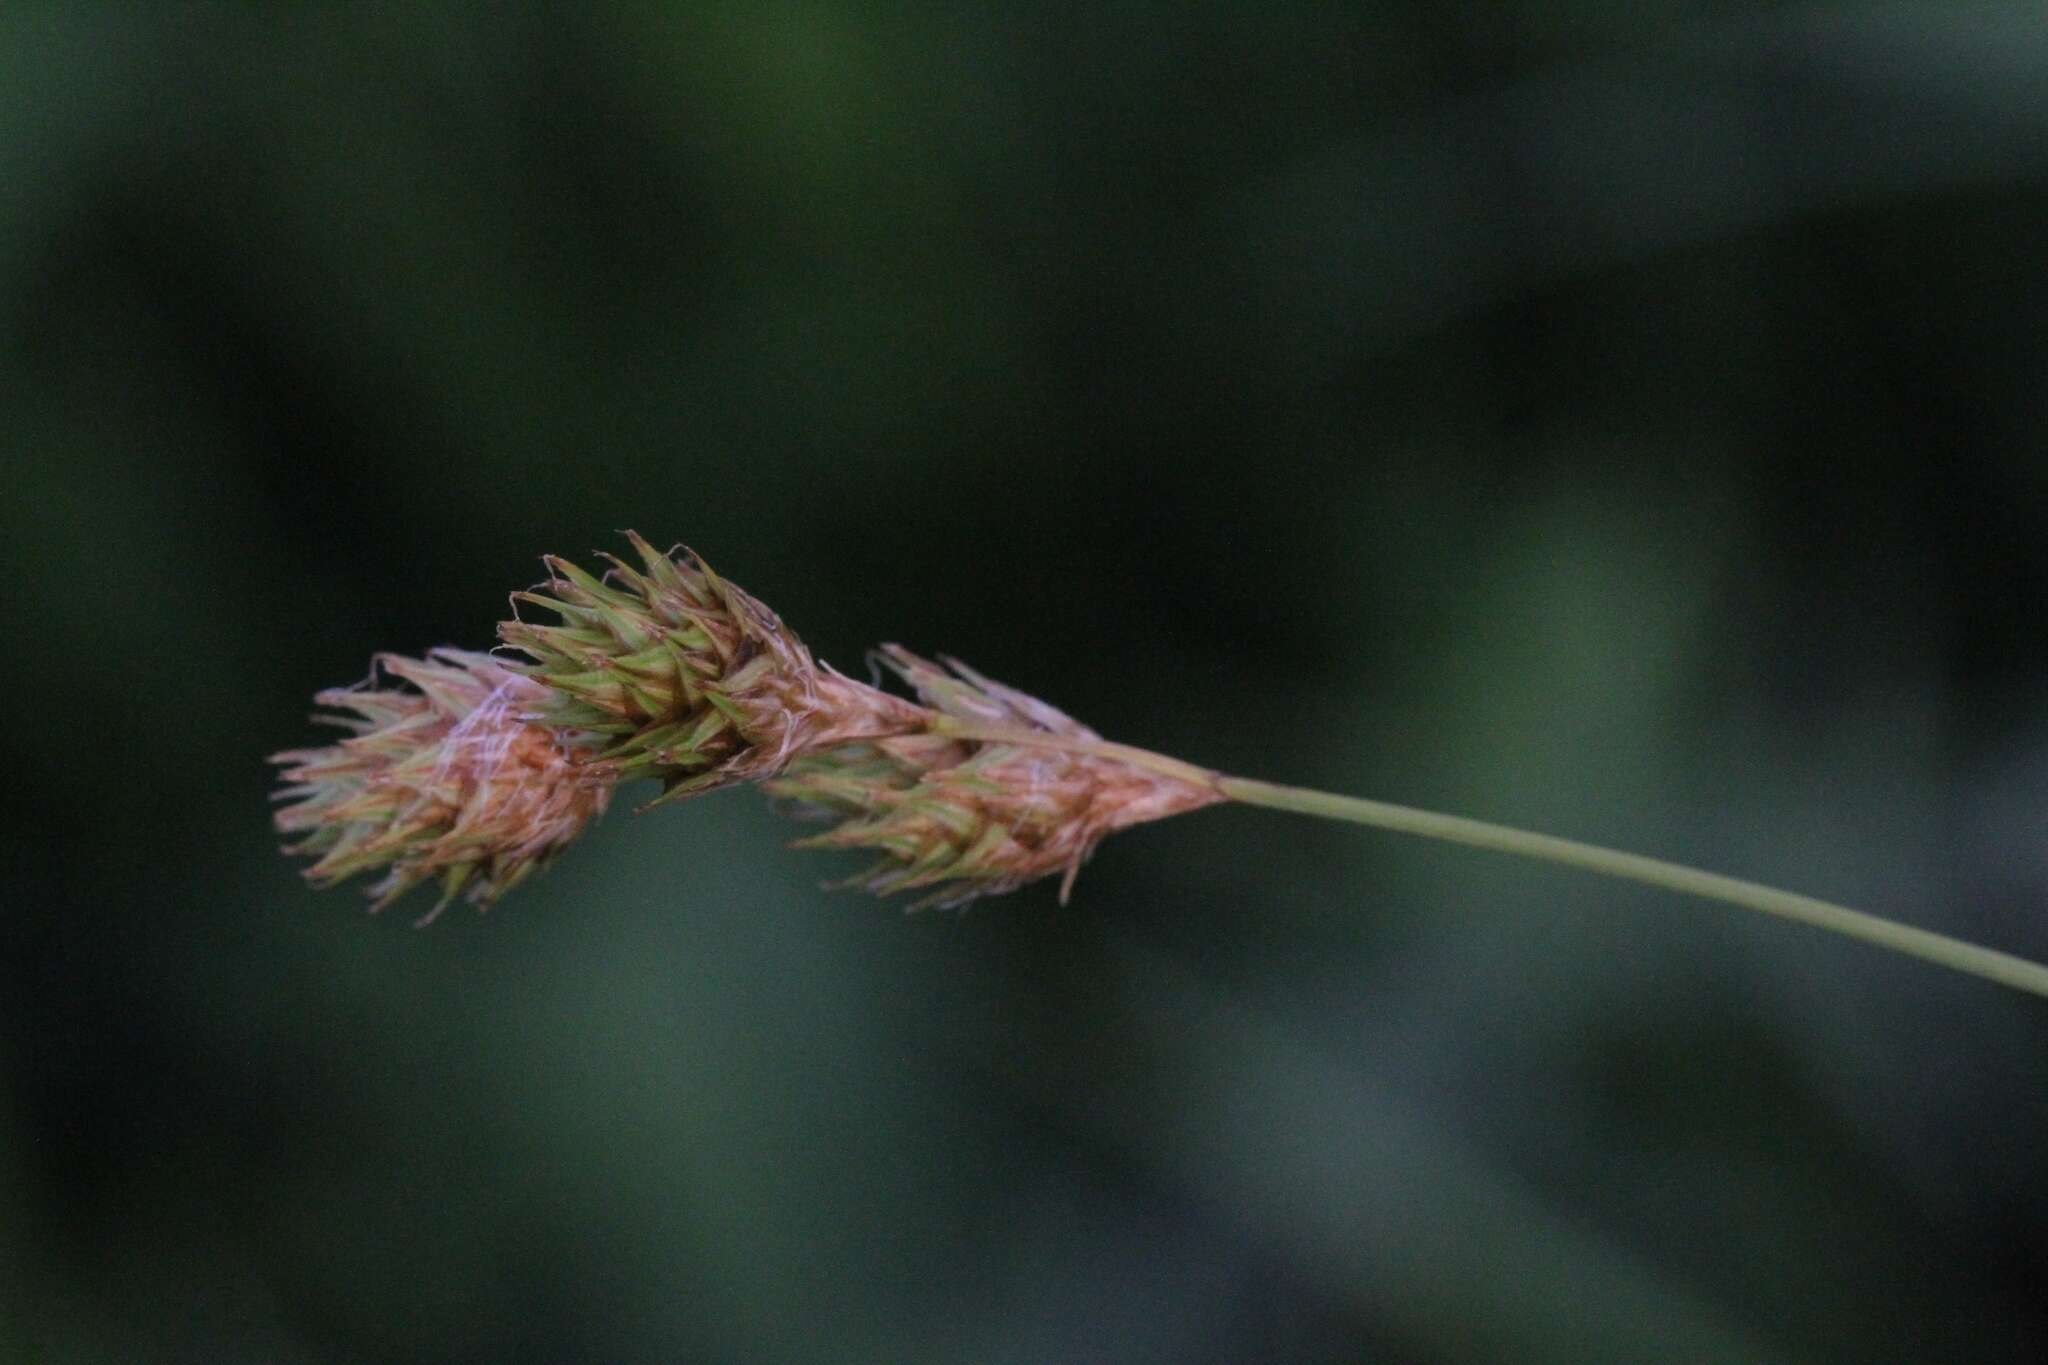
(450, 780)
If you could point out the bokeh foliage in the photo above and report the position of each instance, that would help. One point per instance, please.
(1620, 419)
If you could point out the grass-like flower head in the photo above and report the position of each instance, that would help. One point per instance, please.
(485, 769)
(666, 670)
(965, 817)
(450, 781)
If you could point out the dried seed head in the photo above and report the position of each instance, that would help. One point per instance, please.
(669, 671)
(454, 781)
(969, 818)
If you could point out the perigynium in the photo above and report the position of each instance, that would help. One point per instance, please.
(487, 768)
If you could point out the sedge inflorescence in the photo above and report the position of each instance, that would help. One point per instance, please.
(487, 766)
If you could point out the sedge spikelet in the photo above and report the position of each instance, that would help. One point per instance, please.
(451, 781)
(666, 670)
(961, 817)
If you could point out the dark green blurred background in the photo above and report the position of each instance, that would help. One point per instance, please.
(1622, 419)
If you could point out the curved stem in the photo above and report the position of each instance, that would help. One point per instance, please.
(1688, 881)
(1925, 944)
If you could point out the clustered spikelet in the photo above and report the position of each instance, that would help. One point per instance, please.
(669, 671)
(485, 768)
(966, 818)
(452, 781)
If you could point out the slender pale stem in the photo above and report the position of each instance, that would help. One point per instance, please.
(1687, 881)
(1949, 952)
